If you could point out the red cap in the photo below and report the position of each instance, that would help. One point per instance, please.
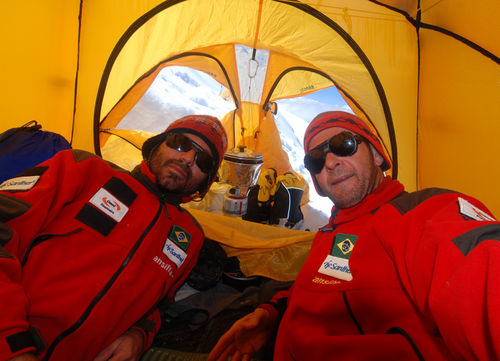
(347, 121)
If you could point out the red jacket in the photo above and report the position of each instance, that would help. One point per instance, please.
(88, 252)
(401, 276)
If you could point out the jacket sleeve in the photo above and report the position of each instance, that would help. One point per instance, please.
(149, 326)
(27, 203)
(14, 305)
(276, 306)
(447, 254)
(34, 198)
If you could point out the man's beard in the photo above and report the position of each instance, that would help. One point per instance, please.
(172, 181)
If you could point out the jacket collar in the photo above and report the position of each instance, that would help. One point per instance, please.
(386, 191)
(148, 180)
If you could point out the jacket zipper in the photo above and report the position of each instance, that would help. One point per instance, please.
(349, 310)
(400, 331)
(101, 294)
(393, 330)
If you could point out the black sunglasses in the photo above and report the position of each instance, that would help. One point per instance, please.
(343, 144)
(181, 143)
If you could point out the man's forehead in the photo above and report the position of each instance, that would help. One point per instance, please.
(326, 134)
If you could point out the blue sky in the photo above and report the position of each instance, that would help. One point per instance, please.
(327, 96)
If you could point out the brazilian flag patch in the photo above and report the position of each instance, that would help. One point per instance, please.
(336, 264)
(180, 237)
(343, 245)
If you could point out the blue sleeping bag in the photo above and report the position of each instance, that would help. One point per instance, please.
(27, 146)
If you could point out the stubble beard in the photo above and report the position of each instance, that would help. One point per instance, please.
(358, 187)
(170, 180)
(348, 196)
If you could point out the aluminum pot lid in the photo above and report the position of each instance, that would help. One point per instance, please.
(242, 155)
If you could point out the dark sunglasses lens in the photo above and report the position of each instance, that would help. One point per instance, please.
(343, 144)
(315, 160)
(204, 161)
(179, 142)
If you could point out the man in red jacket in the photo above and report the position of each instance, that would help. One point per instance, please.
(88, 250)
(393, 276)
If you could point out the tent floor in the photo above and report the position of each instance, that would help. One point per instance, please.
(178, 342)
(193, 325)
(165, 354)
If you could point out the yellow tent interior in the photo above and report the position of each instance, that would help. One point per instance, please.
(424, 73)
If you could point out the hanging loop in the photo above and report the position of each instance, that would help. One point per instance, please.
(252, 70)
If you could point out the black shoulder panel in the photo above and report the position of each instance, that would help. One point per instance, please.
(11, 207)
(6, 234)
(408, 201)
(5, 254)
(81, 155)
(467, 241)
(33, 171)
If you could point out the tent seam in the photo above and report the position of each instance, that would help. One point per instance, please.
(369, 67)
(418, 24)
(77, 72)
(113, 56)
(460, 38)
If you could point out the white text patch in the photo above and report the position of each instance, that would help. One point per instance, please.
(109, 204)
(19, 183)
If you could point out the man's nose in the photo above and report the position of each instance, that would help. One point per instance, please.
(188, 157)
(331, 160)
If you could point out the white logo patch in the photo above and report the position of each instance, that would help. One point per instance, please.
(336, 267)
(174, 252)
(109, 205)
(470, 210)
(19, 183)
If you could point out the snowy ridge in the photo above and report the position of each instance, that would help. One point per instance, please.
(176, 92)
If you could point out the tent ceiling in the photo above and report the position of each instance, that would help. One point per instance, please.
(287, 31)
(430, 67)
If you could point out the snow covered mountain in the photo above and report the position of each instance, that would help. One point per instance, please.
(176, 92)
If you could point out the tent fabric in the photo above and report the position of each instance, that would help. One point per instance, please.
(262, 250)
(260, 134)
(424, 73)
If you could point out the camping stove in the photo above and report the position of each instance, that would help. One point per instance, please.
(240, 168)
(235, 202)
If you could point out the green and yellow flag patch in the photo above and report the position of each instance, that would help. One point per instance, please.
(343, 245)
(336, 264)
(180, 237)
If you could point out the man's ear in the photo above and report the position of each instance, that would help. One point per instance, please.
(377, 158)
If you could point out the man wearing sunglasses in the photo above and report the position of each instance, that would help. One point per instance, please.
(88, 250)
(393, 276)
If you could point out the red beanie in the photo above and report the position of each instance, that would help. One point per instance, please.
(347, 121)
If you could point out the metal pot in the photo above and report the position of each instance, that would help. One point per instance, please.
(241, 167)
